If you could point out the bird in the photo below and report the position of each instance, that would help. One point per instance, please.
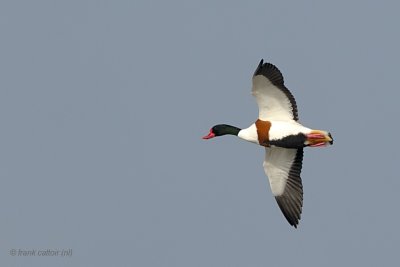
(284, 138)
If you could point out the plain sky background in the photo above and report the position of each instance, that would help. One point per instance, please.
(103, 105)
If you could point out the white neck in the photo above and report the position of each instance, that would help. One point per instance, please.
(249, 134)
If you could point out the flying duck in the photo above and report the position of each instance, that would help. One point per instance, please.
(278, 130)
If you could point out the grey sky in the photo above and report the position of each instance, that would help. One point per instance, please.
(102, 109)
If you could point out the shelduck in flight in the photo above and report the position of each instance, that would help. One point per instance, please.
(278, 130)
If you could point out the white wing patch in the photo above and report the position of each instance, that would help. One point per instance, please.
(272, 102)
(277, 164)
(275, 102)
(283, 167)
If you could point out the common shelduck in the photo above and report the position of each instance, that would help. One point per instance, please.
(278, 130)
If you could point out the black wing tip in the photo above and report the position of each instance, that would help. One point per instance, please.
(293, 217)
(270, 71)
(291, 202)
(260, 65)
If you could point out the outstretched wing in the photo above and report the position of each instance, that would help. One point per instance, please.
(275, 102)
(283, 168)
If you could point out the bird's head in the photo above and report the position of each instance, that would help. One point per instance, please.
(221, 129)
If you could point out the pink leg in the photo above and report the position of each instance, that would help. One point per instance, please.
(318, 144)
(315, 136)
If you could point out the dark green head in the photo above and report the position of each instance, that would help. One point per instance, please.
(222, 129)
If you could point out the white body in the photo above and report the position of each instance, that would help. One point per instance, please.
(278, 130)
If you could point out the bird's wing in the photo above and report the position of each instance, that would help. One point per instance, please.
(275, 102)
(283, 167)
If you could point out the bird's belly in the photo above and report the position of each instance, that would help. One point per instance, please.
(282, 129)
